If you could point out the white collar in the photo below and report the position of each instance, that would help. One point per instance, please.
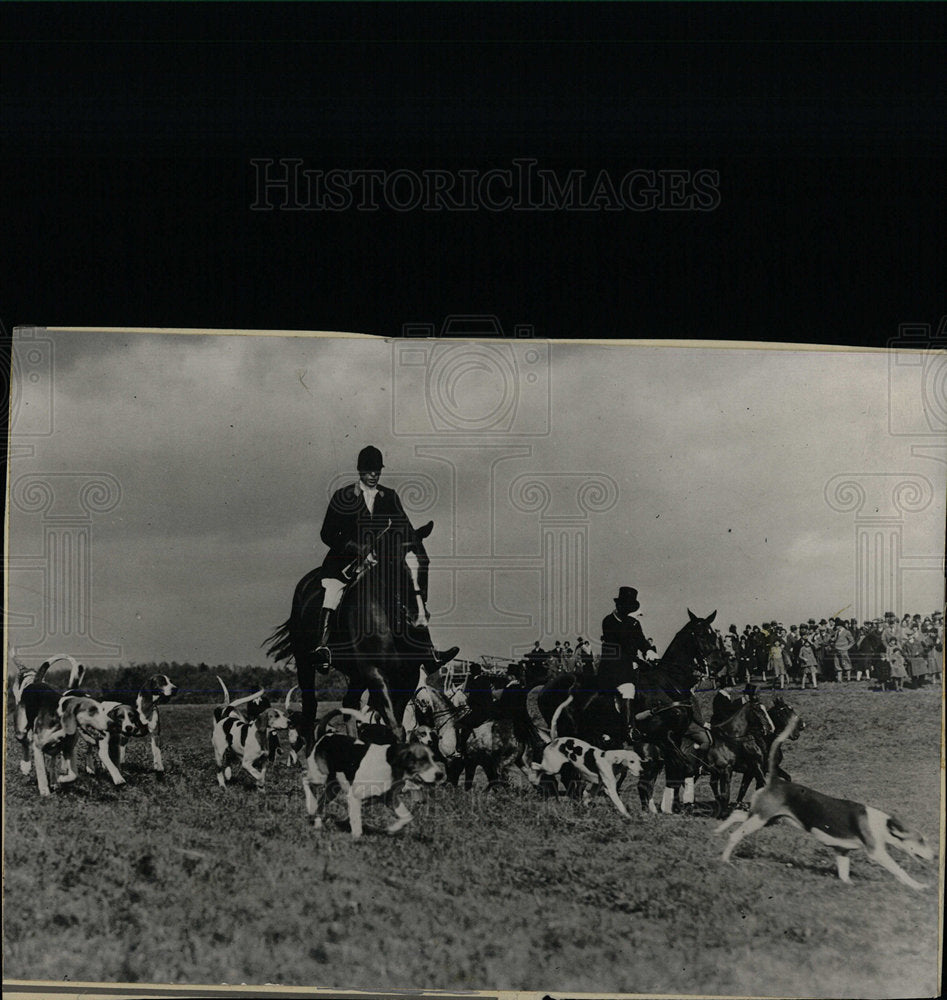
(367, 489)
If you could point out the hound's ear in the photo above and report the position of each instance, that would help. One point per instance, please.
(693, 617)
(896, 828)
(67, 714)
(712, 616)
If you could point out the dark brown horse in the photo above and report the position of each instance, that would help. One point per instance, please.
(741, 740)
(663, 708)
(372, 641)
(780, 712)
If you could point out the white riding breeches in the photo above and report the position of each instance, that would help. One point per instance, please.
(334, 590)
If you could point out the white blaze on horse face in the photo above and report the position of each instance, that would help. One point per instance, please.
(627, 690)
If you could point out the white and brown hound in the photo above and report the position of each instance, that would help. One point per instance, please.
(50, 724)
(364, 771)
(235, 733)
(841, 824)
(597, 767)
(155, 692)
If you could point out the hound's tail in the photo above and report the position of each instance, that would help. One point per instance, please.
(536, 719)
(555, 717)
(289, 698)
(773, 750)
(323, 724)
(219, 710)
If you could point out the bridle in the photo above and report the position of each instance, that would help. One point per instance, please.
(440, 715)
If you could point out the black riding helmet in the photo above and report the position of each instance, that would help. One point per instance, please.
(370, 460)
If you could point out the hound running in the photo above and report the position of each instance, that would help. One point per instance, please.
(841, 824)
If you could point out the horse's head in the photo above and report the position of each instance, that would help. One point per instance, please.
(759, 718)
(781, 712)
(432, 709)
(700, 630)
(694, 644)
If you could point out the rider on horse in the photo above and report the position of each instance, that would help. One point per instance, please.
(623, 642)
(356, 516)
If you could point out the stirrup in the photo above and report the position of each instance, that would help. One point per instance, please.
(323, 657)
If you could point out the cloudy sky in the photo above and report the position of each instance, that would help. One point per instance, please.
(554, 473)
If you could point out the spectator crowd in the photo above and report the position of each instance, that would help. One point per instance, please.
(887, 650)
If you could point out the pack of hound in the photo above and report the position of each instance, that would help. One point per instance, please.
(367, 762)
(50, 725)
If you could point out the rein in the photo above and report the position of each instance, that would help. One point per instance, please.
(445, 713)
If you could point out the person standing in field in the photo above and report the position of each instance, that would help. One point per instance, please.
(808, 660)
(842, 642)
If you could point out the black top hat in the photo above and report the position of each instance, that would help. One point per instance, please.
(627, 596)
(369, 460)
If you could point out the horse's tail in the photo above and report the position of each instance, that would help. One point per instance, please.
(781, 738)
(281, 644)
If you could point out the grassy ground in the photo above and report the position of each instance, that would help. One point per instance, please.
(180, 882)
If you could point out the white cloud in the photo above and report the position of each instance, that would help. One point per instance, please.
(225, 447)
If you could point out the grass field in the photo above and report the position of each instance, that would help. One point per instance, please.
(181, 882)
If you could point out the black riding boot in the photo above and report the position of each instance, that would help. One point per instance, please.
(437, 657)
(322, 655)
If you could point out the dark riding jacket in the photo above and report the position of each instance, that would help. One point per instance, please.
(348, 524)
(623, 644)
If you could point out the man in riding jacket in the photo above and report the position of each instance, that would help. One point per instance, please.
(623, 642)
(356, 516)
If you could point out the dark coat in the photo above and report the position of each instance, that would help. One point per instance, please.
(623, 643)
(723, 707)
(348, 523)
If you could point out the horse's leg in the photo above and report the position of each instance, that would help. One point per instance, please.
(724, 780)
(745, 780)
(453, 767)
(352, 699)
(306, 678)
(674, 779)
(646, 780)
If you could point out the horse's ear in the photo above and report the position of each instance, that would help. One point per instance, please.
(693, 617)
(711, 617)
(424, 530)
